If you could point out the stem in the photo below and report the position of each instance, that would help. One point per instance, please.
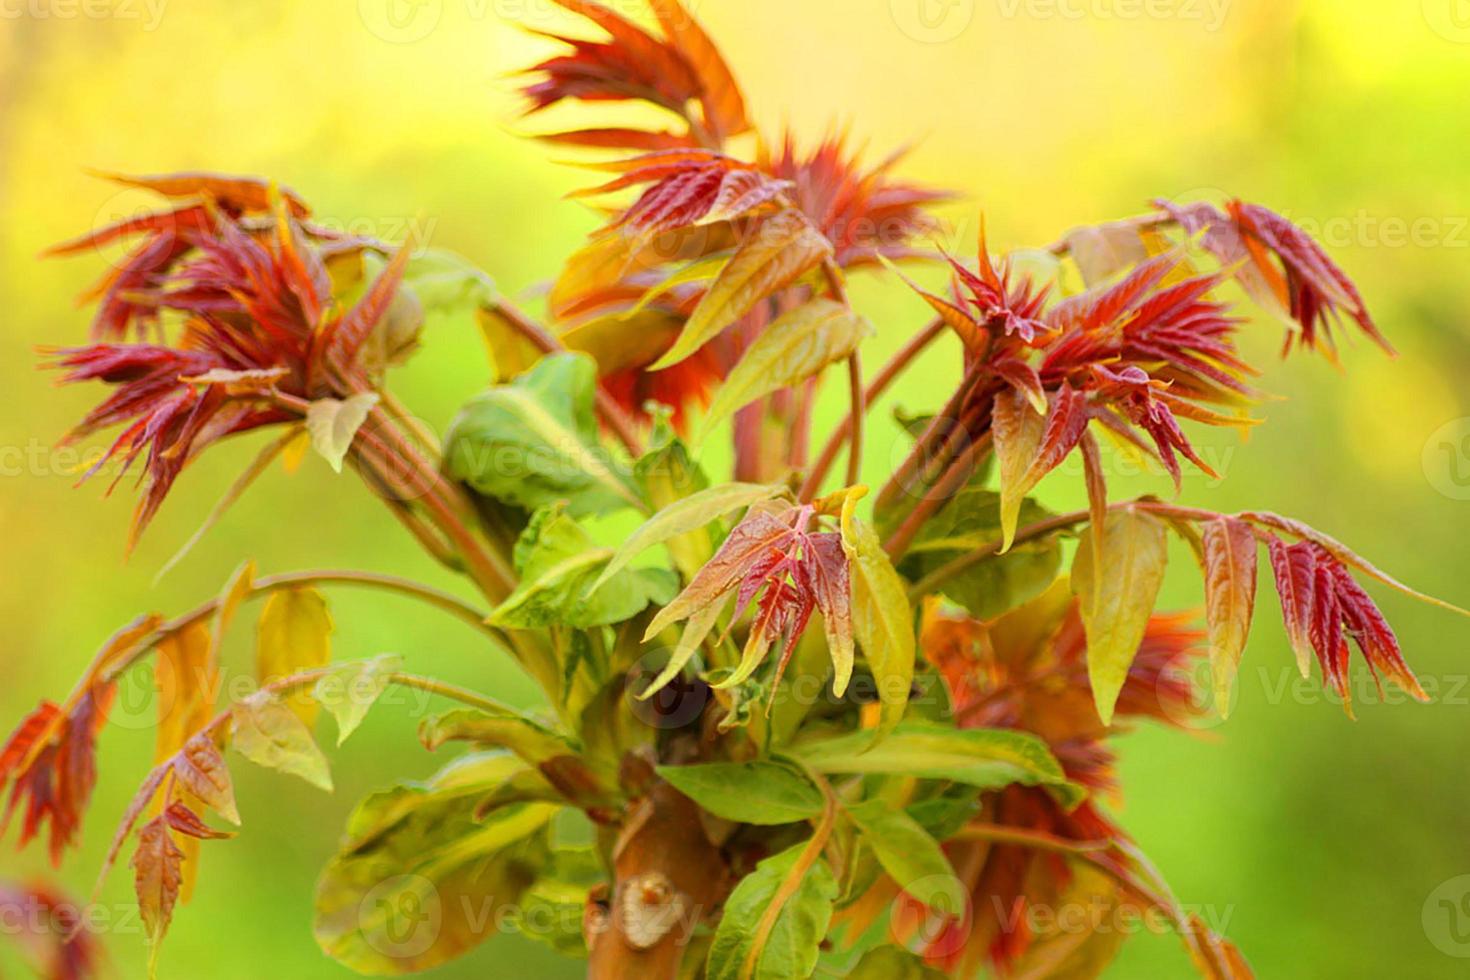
(859, 411)
(944, 489)
(885, 377)
(444, 601)
(939, 430)
(611, 412)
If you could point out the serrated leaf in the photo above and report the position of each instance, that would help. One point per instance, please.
(761, 792)
(797, 346)
(294, 634)
(985, 757)
(534, 441)
(776, 253)
(556, 559)
(882, 618)
(200, 768)
(1230, 598)
(1117, 599)
(683, 516)
(333, 424)
(350, 691)
(264, 730)
(792, 947)
(911, 857)
(158, 878)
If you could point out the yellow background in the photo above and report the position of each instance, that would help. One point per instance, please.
(1316, 842)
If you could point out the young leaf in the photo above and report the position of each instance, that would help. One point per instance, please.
(294, 635)
(187, 822)
(506, 728)
(683, 516)
(1016, 428)
(792, 948)
(762, 792)
(351, 690)
(983, 757)
(911, 857)
(776, 253)
(555, 559)
(333, 424)
(1117, 599)
(265, 731)
(200, 768)
(1230, 598)
(882, 618)
(797, 346)
(534, 441)
(1103, 251)
(187, 680)
(158, 876)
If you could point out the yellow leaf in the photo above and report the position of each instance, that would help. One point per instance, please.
(1117, 598)
(1016, 428)
(776, 254)
(883, 619)
(294, 634)
(333, 424)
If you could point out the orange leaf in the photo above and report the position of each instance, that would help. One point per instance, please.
(1230, 598)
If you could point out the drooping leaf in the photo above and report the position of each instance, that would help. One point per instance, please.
(333, 424)
(1103, 251)
(350, 691)
(1295, 570)
(983, 757)
(556, 560)
(797, 346)
(892, 963)
(294, 635)
(534, 441)
(158, 877)
(762, 792)
(1117, 599)
(1016, 428)
(266, 731)
(200, 768)
(420, 879)
(791, 949)
(687, 514)
(188, 823)
(506, 728)
(882, 618)
(1230, 598)
(776, 253)
(912, 858)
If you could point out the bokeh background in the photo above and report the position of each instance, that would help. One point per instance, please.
(1327, 848)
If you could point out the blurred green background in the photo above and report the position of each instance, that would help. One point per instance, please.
(1317, 843)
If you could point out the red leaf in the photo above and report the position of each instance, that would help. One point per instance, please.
(1065, 423)
(187, 822)
(1295, 569)
(158, 867)
(201, 769)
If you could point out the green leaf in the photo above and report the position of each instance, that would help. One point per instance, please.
(265, 730)
(892, 963)
(333, 424)
(883, 620)
(989, 758)
(911, 857)
(556, 559)
(774, 255)
(551, 911)
(505, 728)
(351, 690)
(1016, 427)
(447, 282)
(797, 346)
(791, 949)
(689, 514)
(420, 879)
(534, 441)
(666, 474)
(762, 792)
(971, 520)
(1117, 599)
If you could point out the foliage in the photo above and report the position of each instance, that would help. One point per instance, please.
(887, 794)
